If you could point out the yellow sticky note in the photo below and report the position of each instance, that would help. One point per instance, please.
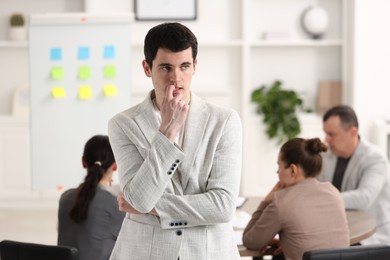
(58, 92)
(85, 92)
(84, 72)
(109, 71)
(57, 73)
(110, 90)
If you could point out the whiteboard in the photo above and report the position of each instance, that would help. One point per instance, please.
(79, 78)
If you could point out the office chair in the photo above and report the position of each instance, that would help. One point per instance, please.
(367, 252)
(14, 250)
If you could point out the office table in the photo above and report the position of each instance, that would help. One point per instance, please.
(361, 225)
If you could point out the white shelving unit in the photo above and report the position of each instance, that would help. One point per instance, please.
(298, 61)
(13, 44)
(233, 60)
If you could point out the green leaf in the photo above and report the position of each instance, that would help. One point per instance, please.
(278, 108)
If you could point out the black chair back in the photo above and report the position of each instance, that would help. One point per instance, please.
(368, 252)
(14, 250)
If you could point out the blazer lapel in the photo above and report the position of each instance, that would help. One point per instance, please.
(350, 172)
(194, 130)
(147, 119)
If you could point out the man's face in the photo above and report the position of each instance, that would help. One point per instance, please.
(339, 140)
(171, 68)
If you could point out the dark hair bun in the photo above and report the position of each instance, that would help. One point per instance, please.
(315, 146)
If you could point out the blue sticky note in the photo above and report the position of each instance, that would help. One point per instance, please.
(83, 53)
(55, 54)
(109, 52)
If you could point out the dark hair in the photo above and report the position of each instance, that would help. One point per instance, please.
(304, 152)
(346, 114)
(172, 36)
(98, 157)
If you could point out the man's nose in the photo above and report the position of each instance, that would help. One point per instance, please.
(174, 76)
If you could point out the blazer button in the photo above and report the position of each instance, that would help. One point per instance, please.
(177, 161)
(172, 169)
(185, 223)
(171, 224)
(169, 173)
(178, 232)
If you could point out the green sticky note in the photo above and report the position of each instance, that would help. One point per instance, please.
(57, 73)
(109, 71)
(84, 72)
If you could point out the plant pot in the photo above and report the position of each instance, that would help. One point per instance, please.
(18, 33)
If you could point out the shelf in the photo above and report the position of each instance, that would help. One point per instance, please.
(13, 44)
(206, 43)
(297, 43)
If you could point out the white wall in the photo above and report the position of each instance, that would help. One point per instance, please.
(371, 92)
(366, 82)
(16, 58)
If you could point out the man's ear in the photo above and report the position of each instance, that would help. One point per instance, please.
(147, 69)
(114, 167)
(353, 130)
(194, 65)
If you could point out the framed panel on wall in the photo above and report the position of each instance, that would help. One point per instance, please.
(149, 10)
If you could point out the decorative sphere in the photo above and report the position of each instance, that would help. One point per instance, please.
(315, 21)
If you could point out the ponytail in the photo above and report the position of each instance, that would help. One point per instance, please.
(98, 157)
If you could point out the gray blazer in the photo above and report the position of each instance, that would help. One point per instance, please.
(365, 186)
(193, 189)
(95, 237)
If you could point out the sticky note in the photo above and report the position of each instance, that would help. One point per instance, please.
(84, 72)
(85, 92)
(55, 54)
(83, 53)
(57, 73)
(109, 52)
(58, 92)
(109, 71)
(110, 90)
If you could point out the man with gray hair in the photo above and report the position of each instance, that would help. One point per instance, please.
(358, 169)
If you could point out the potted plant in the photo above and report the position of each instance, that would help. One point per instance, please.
(17, 29)
(279, 110)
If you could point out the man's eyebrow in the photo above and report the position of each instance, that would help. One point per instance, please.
(170, 65)
(164, 65)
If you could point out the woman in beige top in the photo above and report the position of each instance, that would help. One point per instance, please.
(305, 213)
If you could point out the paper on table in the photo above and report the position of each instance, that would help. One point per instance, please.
(238, 236)
(240, 219)
(240, 201)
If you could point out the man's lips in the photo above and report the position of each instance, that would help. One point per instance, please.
(177, 90)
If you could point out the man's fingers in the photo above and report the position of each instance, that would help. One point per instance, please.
(169, 92)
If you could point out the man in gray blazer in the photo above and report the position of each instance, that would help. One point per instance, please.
(179, 160)
(358, 169)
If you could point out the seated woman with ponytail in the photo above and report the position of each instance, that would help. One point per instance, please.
(88, 216)
(305, 213)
